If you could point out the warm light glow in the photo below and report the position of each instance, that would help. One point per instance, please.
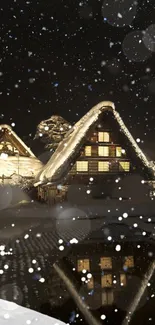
(90, 283)
(103, 137)
(122, 279)
(103, 151)
(129, 261)
(82, 166)
(79, 131)
(88, 151)
(103, 166)
(106, 262)
(124, 166)
(106, 280)
(83, 265)
(118, 151)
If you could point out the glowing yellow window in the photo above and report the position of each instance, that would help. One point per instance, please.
(103, 151)
(88, 151)
(90, 284)
(124, 166)
(107, 297)
(106, 280)
(82, 166)
(103, 166)
(106, 262)
(103, 137)
(122, 280)
(129, 261)
(118, 151)
(83, 265)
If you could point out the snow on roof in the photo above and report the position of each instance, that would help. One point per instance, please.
(54, 169)
(5, 126)
(13, 314)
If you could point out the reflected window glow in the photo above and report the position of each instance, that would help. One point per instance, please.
(129, 261)
(123, 280)
(107, 297)
(83, 265)
(106, 280)
(106, 262)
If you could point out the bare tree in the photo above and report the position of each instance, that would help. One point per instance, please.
(52, 131)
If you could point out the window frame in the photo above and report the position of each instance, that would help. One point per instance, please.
(107, 293)
(118, 151)
(82, 170)
(107, 284)
(121, 168)
(89, 154)
(103, 135)
(103, 147)
(103, 170)
(84, 261)
(109, 263)
(128, 263)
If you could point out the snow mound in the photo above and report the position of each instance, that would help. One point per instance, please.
(13, 314)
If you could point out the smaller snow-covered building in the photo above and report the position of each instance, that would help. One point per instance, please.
(94, 158)
(16, 159)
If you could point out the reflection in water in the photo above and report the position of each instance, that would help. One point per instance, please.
(111, 270)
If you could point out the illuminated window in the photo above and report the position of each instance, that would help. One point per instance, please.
(106, 280)
(83, 265)
(103, 137)
(124, 166)
(88, 151)
(118, 151)
(107, 297)
(129, 261)
(103, 166)
(122, 279)
(82, 166)
(103, 151)
(106, 263)
(90, 284)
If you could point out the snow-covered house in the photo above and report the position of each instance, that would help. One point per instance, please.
(16, 159)
(95, 156)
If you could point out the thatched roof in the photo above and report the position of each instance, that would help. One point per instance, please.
(15, 139)
(54, 170)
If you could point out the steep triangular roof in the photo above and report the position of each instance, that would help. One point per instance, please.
(58, 163)
(7, 133)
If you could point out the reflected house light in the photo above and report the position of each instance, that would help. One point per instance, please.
(4, 155)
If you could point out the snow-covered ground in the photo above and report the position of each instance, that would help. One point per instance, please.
(13, 314)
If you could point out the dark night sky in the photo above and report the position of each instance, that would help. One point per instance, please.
(63, 56)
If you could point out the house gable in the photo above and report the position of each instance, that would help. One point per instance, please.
(11, 144)
(69, 150)
(104, 153)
